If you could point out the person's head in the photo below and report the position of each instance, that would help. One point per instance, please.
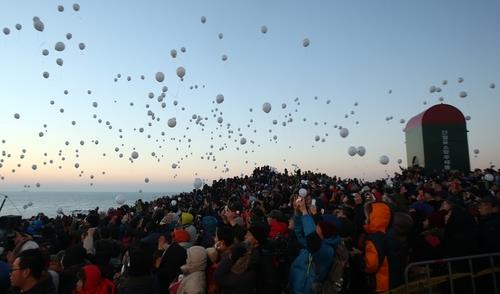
(224, 237)
(489, 205)
(326, 227)
(256, 235)
(28, 268)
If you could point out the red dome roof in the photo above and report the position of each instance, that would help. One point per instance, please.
(437, 115)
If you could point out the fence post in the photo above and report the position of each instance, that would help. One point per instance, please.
(450, 277)
(492, 263)
(472, 276)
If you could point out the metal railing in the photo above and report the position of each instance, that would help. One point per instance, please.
(469, 274)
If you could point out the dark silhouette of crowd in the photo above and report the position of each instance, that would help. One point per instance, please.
(269, 232)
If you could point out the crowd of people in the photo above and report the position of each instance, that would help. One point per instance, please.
(269, 232)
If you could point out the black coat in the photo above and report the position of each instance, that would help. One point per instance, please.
(145, 285)
(44, 286)
(489, 233)
(170, 265)
(230, 283)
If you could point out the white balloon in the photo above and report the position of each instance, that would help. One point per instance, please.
(243, 141)
(492, 85)
(305, 42)
(59, 46)
(219, 119)
(38, 24)
(59, 210)
(45, 52)
(224, 57)
(183, 49)
(76, 7)
(160, 77)
(352, 151)
(400, 161)
(6, 31)
(460, 80)
(263, 29)
(302, 192)
(402, 121)
(45, 74)
(134, 155)
(444, 82)
(34, 167)
(462, 94)
(146, 180)
(221, 35)
(120, 199)
(69, 36)
(476, 151)
(59, 61)
(361, 151)
(384, 159)
(16, 115)
(203, 19)
(94, 104)
(60, 8)
(316, 138)
(219, 99)
(172, 122)
(82, 46)
(197, 183)
(25, 206)
(344, 132)
(181, 71)
(467, 117)
(266, 107)
(173, 53)
(489, 177)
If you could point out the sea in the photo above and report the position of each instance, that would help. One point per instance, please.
(27, 204)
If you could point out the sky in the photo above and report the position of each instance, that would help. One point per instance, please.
(366, 61)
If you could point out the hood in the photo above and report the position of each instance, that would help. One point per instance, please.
(92, 277)
(196, 260)
(379, 217)
(209, 224)
(186, 218)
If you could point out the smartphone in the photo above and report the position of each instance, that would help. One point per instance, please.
(313, 202)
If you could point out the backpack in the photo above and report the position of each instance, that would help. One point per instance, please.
(386, 247)
(335, 280)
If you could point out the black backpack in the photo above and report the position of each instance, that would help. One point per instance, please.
(386, 247)
(336, 280)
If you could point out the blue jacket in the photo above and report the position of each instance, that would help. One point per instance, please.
(310, 267)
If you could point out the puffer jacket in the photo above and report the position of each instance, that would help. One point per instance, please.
(379, 218)
(194, 281)
(312, 265)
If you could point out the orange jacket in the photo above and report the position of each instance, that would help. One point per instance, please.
(378, 221)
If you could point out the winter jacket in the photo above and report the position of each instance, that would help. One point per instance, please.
(147, 284)
(489, 233)
(95, 283)
(173, 258)
(313, 263)
(232, 283)
(194, 281)
(44, 286)
(379, 217)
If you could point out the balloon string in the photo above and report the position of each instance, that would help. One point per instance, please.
(14, 206)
